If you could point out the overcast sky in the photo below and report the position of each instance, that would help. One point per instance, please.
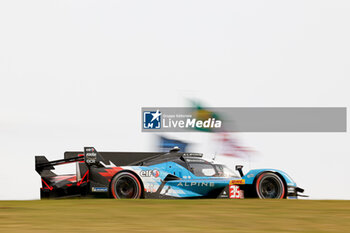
(76, 73)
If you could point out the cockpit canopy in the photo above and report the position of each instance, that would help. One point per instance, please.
(203, 168)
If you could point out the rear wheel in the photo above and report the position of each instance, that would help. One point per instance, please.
(270, 186)
(126, 185)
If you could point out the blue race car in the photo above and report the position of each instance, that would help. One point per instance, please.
(158, 175)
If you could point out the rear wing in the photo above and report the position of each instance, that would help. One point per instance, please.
(90, 156)
(42, 163)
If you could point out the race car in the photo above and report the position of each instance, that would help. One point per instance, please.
(158, 175)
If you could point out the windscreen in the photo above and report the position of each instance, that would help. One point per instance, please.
(211, 170)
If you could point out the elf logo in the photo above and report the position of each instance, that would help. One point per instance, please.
(149, 173)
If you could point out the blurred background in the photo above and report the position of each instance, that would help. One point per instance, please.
(76, 73)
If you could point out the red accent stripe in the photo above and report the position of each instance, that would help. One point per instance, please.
(85, 175)
(110, 171)
(48, 186)
(62, 177)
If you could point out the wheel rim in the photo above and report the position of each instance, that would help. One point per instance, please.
(270, 187)
(126, 187)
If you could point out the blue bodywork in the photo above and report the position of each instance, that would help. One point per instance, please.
(190, 186)
(252, 174)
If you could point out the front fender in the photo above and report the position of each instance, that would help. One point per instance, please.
(252, 174)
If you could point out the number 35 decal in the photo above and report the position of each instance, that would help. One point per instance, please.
(235, 192)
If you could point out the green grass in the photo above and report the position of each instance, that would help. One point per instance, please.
(101, 215)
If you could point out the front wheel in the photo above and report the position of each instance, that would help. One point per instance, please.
(126, 185)
(270, 186)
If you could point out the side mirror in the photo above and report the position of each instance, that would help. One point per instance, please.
(239, 169)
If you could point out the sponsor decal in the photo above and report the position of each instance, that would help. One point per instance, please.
(198, 184)
(235, 192)
(224, 194)
(149, 173)
(90, 155)
(152, 119)
(99, 189)
(237, 182)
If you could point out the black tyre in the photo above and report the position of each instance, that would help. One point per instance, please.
(126, 185)
(270, 186)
